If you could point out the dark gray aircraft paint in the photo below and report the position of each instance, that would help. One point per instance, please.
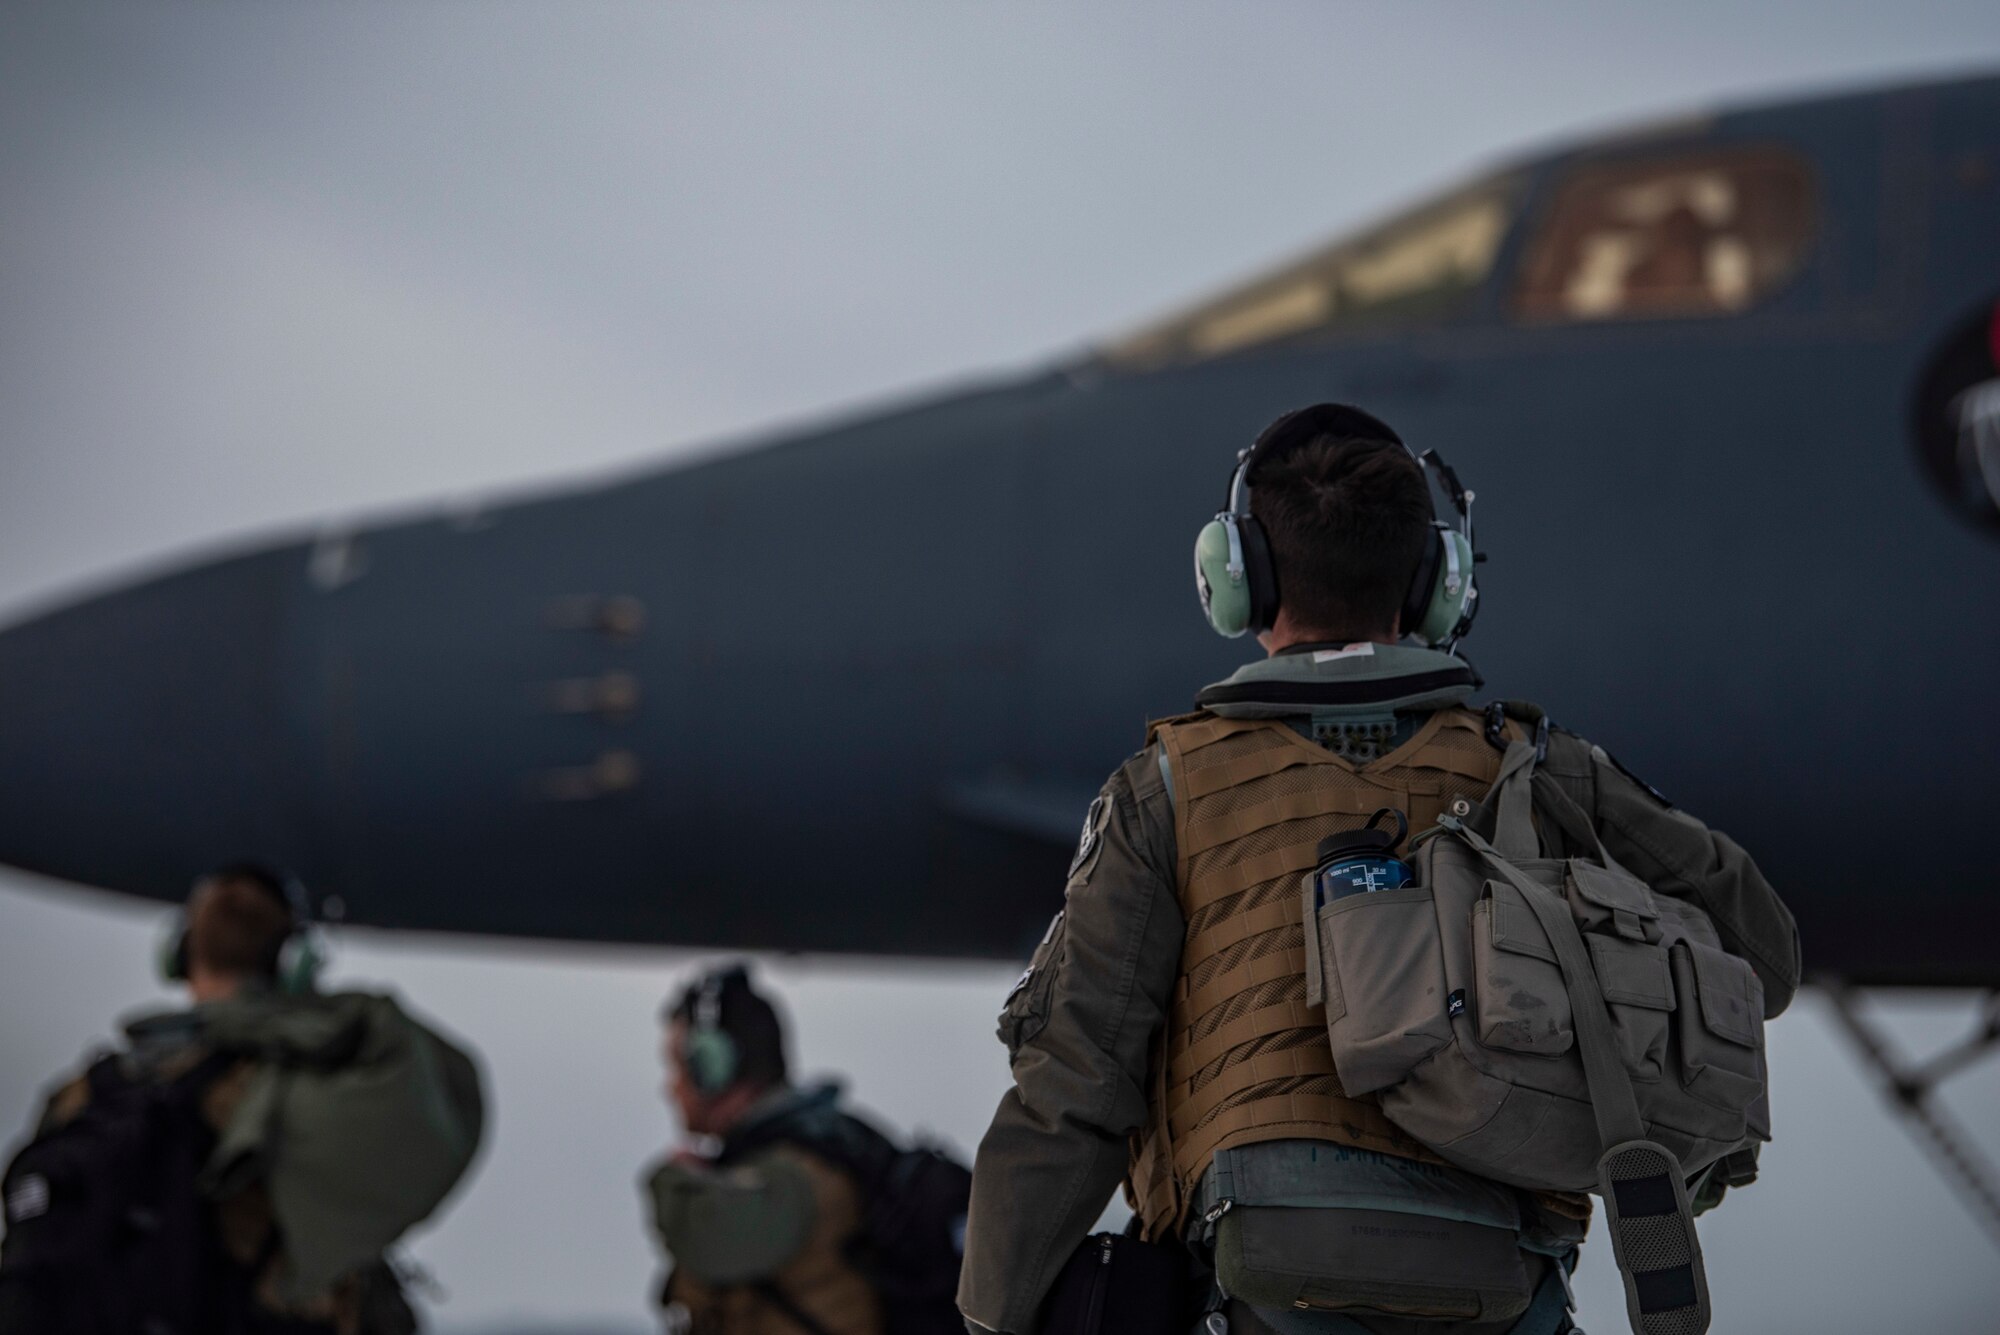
(1726, 392)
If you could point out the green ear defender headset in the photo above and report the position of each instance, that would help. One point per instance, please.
(709, 1050)
(302, 954)
(1238, 581)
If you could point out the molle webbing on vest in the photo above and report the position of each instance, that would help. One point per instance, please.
(1244, 1058)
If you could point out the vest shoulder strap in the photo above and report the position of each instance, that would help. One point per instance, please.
(1174, 720)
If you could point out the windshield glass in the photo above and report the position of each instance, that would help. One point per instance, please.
(1704, 235)
(1412, 270)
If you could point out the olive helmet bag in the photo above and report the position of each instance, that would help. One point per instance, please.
(1551, 1023)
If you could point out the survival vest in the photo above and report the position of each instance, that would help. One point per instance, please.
(1244, 1058)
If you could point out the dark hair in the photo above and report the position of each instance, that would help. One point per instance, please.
(751, 1021)
(1347, 518)
(238, 919)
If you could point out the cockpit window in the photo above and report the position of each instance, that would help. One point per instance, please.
(1413, 270)
(1693, 236)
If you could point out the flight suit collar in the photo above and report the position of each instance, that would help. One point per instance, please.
(159, 1038)
(771, 1116)
(1365, 677)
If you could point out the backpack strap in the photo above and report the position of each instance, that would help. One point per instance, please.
(198, 1077)
(769, 1291)
(1511, 800)
(843, 1140)
(1553, 800)
(1519, 790)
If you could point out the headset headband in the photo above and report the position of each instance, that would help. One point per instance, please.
(707, 1010)
(300, 952)
(1321, 419)
(1337, 419)
(708, 1002)
(284, 888)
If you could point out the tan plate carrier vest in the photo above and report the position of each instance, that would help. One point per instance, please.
(1244, 1058)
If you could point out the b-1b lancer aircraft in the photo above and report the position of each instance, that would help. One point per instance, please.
(1726, 391)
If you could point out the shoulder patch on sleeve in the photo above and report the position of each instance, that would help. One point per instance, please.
(1093, 826)
(1619, 765)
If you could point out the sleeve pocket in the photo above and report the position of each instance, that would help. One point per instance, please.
(1026, 1009)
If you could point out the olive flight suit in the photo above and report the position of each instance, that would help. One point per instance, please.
(1084, 1027)
(759, 1236)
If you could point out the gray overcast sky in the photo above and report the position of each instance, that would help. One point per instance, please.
(262, 264)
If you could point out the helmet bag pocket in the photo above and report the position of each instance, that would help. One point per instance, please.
(1383, 982)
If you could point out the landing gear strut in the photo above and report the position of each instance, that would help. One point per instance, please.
(1910, 1089)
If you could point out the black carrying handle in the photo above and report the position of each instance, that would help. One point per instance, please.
(1402, 825)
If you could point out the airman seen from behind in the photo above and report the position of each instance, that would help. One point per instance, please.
(242, 1165)
(1360, 988)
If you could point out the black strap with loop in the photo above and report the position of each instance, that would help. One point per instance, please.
(1649, 1216)
(769, 1291)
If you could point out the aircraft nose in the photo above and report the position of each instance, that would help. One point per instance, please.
(136, 737)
